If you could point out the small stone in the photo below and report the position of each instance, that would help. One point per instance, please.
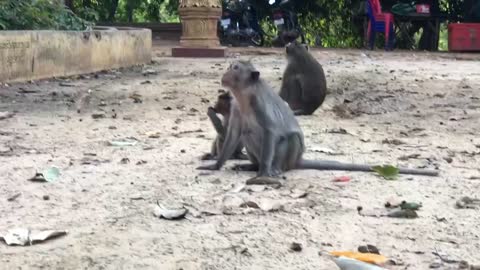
(463, 265)
(141, 162)
(249, 204)
(435, 265)
(46, 197)
(297, 247)
(216, 181)
(368, 249)
(393, 141)
(98, 115)
(244, 251)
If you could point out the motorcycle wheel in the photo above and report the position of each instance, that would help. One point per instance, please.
(257, 39)
(303, 40)
(234, 41)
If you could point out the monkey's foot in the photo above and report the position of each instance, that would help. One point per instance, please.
(211, 109)
(240, 156)
(213, 167)
(208, 156)
(274, 172)
(264, 180)
(246, 167)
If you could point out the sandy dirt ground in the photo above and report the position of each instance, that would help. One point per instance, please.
(416, 110)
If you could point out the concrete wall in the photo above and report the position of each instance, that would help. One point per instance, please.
(162, 31)
(32, 55)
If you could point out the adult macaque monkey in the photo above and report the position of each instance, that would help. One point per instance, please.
(268, 129)
(222, 107)
(304, 85)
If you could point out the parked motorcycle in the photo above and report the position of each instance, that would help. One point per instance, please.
(286, 21)
(239, 24)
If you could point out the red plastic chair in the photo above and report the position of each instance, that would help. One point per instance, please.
(379, 22)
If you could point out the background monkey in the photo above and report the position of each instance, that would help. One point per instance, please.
(304, 85)
(268, 129)
(222, 107)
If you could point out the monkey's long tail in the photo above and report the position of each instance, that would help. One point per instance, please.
(339, 166)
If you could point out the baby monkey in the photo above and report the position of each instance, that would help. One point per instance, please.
(222, 107)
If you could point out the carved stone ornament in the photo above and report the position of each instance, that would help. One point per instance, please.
(199, 23)
(201, 3)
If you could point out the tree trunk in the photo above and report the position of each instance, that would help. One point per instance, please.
(130, 14)
(69, 4)
(113, 10)
(87, 3)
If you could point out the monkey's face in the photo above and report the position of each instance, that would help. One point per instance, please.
(239, 75)
(223, 104)
(294, 48)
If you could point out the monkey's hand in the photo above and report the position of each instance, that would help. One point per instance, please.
(211, 111)
(213, 167)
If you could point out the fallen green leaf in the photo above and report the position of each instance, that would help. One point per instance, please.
(388, 172)
(399, 213)
(410, 206)
(51, 174)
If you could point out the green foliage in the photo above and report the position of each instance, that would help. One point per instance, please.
(88, 14)
(3, 24)
(443, 40)
(38, 15)
(330, 32)
(160, 11)
(269, 29)
(388, 172)
(326, 23)
(137, 10)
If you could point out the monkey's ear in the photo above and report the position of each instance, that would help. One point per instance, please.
(306, 47)
(255, 75)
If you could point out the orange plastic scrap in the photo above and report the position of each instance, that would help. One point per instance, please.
(364, 257)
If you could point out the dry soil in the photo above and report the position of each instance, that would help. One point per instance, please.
(411, 109)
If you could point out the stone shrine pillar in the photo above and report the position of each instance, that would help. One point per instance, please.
(199, 20)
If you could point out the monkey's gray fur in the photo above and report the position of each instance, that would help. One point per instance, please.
(268, 129)
(304, 86)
